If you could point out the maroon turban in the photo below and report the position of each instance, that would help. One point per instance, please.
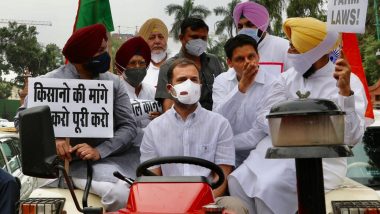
(84, 43)
(133, 46)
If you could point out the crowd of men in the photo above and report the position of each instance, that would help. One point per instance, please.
(208, 112)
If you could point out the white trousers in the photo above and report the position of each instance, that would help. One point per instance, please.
(114, 196)
(254, 205)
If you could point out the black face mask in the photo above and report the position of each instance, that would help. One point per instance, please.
(99, 64)
(134, 76)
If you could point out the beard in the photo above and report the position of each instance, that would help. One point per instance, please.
(309, 72)
(158, 56)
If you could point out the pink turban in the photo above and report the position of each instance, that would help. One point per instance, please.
(255, 13)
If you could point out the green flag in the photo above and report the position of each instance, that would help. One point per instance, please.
(92, 12)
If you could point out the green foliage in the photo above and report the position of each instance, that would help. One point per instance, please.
(19, 49)
(188, 9)
(274, 8)
(368, 48)
(216, 47)
(227, 23)
(5, 89)
(368, 45)
(307, 8)
(116, 43)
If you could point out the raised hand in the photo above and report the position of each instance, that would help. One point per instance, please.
(248, 76)
(342, 74)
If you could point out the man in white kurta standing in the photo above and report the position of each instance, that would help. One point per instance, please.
(155, 33)
(253, 20)
(269, 185)
(238, 92)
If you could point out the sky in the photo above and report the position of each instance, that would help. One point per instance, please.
(126, 13)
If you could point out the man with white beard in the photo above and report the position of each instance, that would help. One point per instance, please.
(155, 33)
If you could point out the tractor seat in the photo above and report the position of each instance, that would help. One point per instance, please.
(350, 190)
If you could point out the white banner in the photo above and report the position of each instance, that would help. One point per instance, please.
(79, 108)
(142, 108)
(347, 15)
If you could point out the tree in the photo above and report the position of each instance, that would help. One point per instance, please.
(185, 11)
(307, 8)
(19, 49)
(5, 89)
(227, 23)
(368, 51)
(368, 45)
(116, 43)
(216, 47)
(274, 8)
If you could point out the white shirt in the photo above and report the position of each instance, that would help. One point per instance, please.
(147, 92)
(273, 49)
(240, 109)
(204, 134)
(267, 171)
(151, 77)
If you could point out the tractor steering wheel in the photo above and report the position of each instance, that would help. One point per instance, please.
(143, 167)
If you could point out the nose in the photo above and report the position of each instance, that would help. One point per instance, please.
(157, 39)
(140, 65)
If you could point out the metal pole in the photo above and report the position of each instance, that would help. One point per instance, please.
(377, 19)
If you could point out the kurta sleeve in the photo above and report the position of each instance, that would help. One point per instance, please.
(355, 107)
(248, 140)
(124, 124)
(225, 102)
(147, 148)
(225, 150)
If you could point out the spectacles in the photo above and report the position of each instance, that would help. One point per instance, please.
(135, 63)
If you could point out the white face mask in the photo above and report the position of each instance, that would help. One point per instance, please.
(302, 62)
(252, 32)
(298, 62)
(196, 47)
(158, 57)
(187, 92)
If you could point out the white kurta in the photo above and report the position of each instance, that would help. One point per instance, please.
(274, 180)
(151, 77)
(147, 93)
(273, 49)
(238, 108)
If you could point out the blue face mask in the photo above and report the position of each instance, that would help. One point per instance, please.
(252, 32)
(99, 64)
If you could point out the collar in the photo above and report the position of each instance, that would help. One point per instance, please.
(204, 56)
(129, 87)
(260, 77)
(231, 74)
(71, 68)
(263, 41)
(326, 70)
(192, 115)
(151, 65)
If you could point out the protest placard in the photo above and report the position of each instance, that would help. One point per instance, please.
(79, 108)
(272, 68)
(347, 15)
(142, 108)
